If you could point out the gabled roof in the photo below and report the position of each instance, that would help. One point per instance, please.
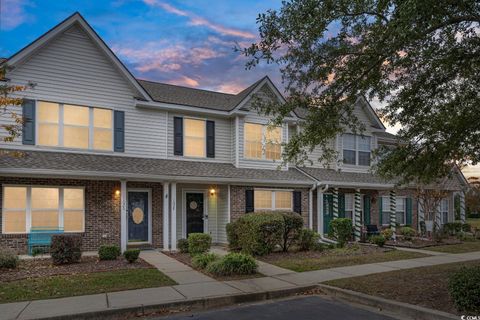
(77, 19)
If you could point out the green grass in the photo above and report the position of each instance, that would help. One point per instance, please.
(474, 223)
(299, 264)
(82, 284)
(467, 246)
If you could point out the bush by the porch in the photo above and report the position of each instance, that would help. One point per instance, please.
(199, 243)
(341, 230)
(379, 240)
(233, 264)
(387, 233)
(292, 227)
(308, 240)
(66, 248)
(182, 245)
(8, 259)
(464, 289)
(131, 255)
(109, 252)
(408, 233)
(201, 261)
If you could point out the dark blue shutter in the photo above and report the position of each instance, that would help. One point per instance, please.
(28, 112)
(366, 209)
(409, 212)
(249, 201)
(119, 131)
(211, 139)
(178, 136)
(297, 202)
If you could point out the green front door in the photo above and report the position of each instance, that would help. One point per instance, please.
(327, 212)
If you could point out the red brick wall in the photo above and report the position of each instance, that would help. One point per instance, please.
(102, 211)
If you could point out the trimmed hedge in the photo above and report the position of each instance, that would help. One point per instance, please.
(233, 264)
(199, 243)
(109, 252)
(182, 245)
(66, 248)
(464, 289)
(131, 255)
(8, 259)
(408, 233)
(341, 230)
(292, 227)
(379, 240)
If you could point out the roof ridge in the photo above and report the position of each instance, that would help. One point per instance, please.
(178, 86)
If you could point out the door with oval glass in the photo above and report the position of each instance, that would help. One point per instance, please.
(195, 212)
(138, 216)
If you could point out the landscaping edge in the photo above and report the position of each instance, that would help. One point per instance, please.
(405, 309)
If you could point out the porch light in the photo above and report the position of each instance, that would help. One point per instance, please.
(212, 191)
(117, 192)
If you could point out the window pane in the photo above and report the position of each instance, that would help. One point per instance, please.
(349, 141)
(45, 219)
(253, 150)
(445, 217)
(386, 203)
(44, 198)
(349, 157)
(263, 199)
(47, 112)
(283, 200)
(253, 132)
(14, 221)
(102, 118)
(15, 197)
(363, 158)
(194, 128)
(349, 202)
(400, 204)
(349, 214)
(47, 134)
(75, 115)
(400, 217)
(386, 217)
(273, 135)
(73, 199)
(73, 221)
(102, 139)
(195, 147)
(364, 144)
(75, 137)
(273, 151)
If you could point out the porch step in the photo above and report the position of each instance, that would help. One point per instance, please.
(142, 246)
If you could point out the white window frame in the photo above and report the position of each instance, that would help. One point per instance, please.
(357, 150)
(61, 126)
(28, 211)
(273, 191)
(398, 198)
(185, 136)
(442, 212)
(263, 142)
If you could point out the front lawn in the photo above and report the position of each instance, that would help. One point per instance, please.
(467, 246)
(331, 258)
(475, 223)
(425, 286)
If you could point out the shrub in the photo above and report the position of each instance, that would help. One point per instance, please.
(466, 227)
(199, 243)
(308, 239)
(65, 248)
(387, 234)
(8, 259)
(464, 289)
(256, 233)
(109, 252)
(182, 245)
(233, 264)
(408, 233)
(292, 226)
(379, 240)
(452, 228)
(131, 255)
(201, 261)
(341, 230)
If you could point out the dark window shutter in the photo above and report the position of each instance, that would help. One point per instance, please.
(341, 205)
(380, 209)
(119, 131)
(178, 136)
(249, 201)
(297, 202)
(211, 139)
(409, 211)
(28, 131)
(366, 209)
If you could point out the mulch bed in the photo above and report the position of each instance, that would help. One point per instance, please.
(185, 258)
(45, 268)
(418, 243)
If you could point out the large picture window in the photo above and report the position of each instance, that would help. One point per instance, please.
(356, 150)
(195, 138)
(273, 199)
(77, 127)
(400, 207)
(262, 142)
(27, 207)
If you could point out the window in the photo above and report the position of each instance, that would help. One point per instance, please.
(400, 213)
(443, 207)
(78, 127)
(273, 199)
(356, 150)
(42, 207)
(350, 206)
(262, 142)
(195, 138)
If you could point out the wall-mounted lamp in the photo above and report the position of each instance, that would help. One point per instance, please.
(117, 193)
(212, 191)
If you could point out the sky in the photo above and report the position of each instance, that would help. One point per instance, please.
(188, 43)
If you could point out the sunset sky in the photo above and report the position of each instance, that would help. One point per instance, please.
(181, 42)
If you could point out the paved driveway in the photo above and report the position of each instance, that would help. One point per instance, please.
(304, 308)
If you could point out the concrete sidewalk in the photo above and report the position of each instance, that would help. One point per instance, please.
(196, 288)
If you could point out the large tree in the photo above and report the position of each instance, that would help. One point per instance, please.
(420, 59)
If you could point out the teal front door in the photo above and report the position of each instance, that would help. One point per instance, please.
(327, 212)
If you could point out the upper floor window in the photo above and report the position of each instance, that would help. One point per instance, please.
(262, 142)
(356, 150)
(71, 126)
(195, 138)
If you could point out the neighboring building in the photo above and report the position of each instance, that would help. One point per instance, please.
(133, 162)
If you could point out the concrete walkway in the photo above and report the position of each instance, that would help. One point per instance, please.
(193, 285)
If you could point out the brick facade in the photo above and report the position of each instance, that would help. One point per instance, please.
(102, 211)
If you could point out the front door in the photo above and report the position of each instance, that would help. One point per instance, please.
(327, 212)
(138, 216)
(195, 212)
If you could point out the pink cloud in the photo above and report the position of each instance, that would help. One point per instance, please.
(184, 81)
(232, 87)
(200, 21)
(12, 13)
